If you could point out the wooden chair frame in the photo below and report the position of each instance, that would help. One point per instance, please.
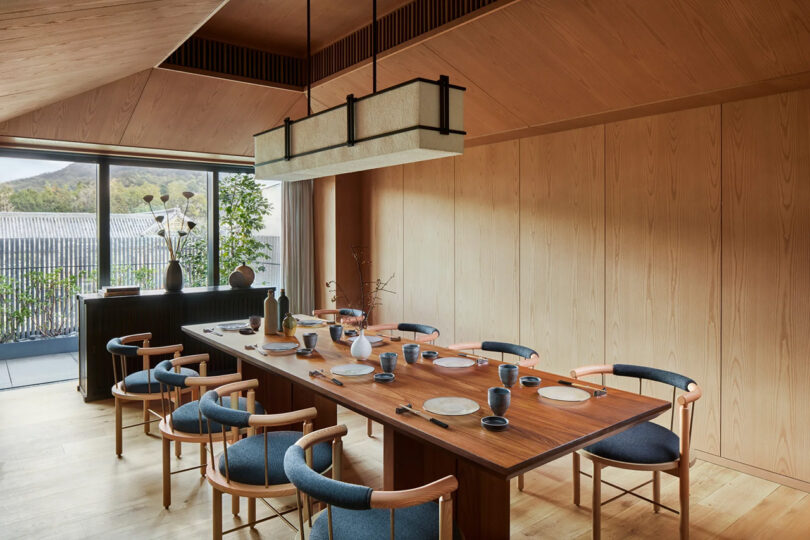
(122, 395)
(221, 483)
(441, 489)
(199, 386)
(337, 317)
(678, 468)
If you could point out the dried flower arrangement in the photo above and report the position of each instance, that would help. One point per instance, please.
(175, 245)
(370, 291)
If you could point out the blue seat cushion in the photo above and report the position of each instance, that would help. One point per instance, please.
(185, 418)
(412, 523)
(137, 382)
(246, 458)
(644, 443)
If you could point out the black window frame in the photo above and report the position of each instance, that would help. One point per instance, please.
(104, 162)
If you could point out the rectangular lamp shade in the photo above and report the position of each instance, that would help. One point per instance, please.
(413, 121)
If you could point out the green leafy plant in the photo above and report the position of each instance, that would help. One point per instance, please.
(50, 295)
(12, 317)
(242, 212)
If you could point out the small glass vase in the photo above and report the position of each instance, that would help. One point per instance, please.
(173, 281)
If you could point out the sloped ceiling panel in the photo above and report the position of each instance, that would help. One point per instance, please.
(98, 116)
(184, 111)
(51, 50)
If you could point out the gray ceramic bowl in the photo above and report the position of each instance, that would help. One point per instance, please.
(384, 377)
(494, 423)
(430, 355)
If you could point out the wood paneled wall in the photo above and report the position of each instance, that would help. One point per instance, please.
(323, 205)
(680, 241)
(766, 283)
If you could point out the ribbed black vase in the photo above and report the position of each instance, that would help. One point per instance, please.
(174, 277)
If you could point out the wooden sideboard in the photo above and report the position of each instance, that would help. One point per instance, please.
(160, 313)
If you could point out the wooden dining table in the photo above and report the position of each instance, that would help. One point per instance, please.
(417, 451)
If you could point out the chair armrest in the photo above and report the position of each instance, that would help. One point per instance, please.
(428, 337)
(191, 359)
(378, 327)
(239, 386)
(412, 497)
(282, 419)
(158, 351)
(464, 346)
(591, 370)
(693, 394)
(530, 362)
(325, 434)
(146, 336)
(217, 380)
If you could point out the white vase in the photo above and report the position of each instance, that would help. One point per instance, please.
(361, 348)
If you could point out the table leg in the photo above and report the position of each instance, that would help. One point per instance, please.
(481, 504)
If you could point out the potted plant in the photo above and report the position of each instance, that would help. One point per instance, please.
(175, 239)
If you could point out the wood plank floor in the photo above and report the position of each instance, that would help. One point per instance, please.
(59, 478)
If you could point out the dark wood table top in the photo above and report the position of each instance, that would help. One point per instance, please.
(539, 431)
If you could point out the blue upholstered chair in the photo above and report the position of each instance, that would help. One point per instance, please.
(341, 315)
(428, 333)
(644, 447)
(186, 423)
(253, 467)
(528, 357)
(139, 385)
(356, 512)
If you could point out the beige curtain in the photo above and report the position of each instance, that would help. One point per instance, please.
(298, 265)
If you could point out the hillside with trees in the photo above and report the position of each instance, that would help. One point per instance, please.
(73, 189)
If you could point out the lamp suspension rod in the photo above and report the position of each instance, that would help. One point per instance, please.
(374, 44)
(309, 61)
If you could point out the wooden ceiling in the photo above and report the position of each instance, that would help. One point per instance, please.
(51, 50)
(529, 66)
(541, 62)
(164, 109)
(280, 26)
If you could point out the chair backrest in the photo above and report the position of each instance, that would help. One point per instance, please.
(334, 492)
(530, 356)
(429, 333)
(347, 315)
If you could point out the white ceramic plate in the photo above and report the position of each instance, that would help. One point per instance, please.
(454, 362)
(352, 370)
(563, 393)
(233, 326)
(280, 346)
(311, 323)
(450, 406)
(371, 339)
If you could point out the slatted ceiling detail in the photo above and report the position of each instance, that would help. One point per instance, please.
(219, 57)
(393, 29)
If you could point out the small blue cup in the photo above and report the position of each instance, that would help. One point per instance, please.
(499, 400)
(411, 352)
(336, 331)
(508, 374)
(388, 362)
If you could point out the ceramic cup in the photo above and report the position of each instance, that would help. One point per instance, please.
(508, 374)
(388, 361)
(499, 400)
(310, 340)
(255, 322)
(411, 352)
(336, 331)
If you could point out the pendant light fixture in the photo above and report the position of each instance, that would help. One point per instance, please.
(416, 120)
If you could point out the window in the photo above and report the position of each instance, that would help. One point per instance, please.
(47, 245)
(138, 255)
(250, 227)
